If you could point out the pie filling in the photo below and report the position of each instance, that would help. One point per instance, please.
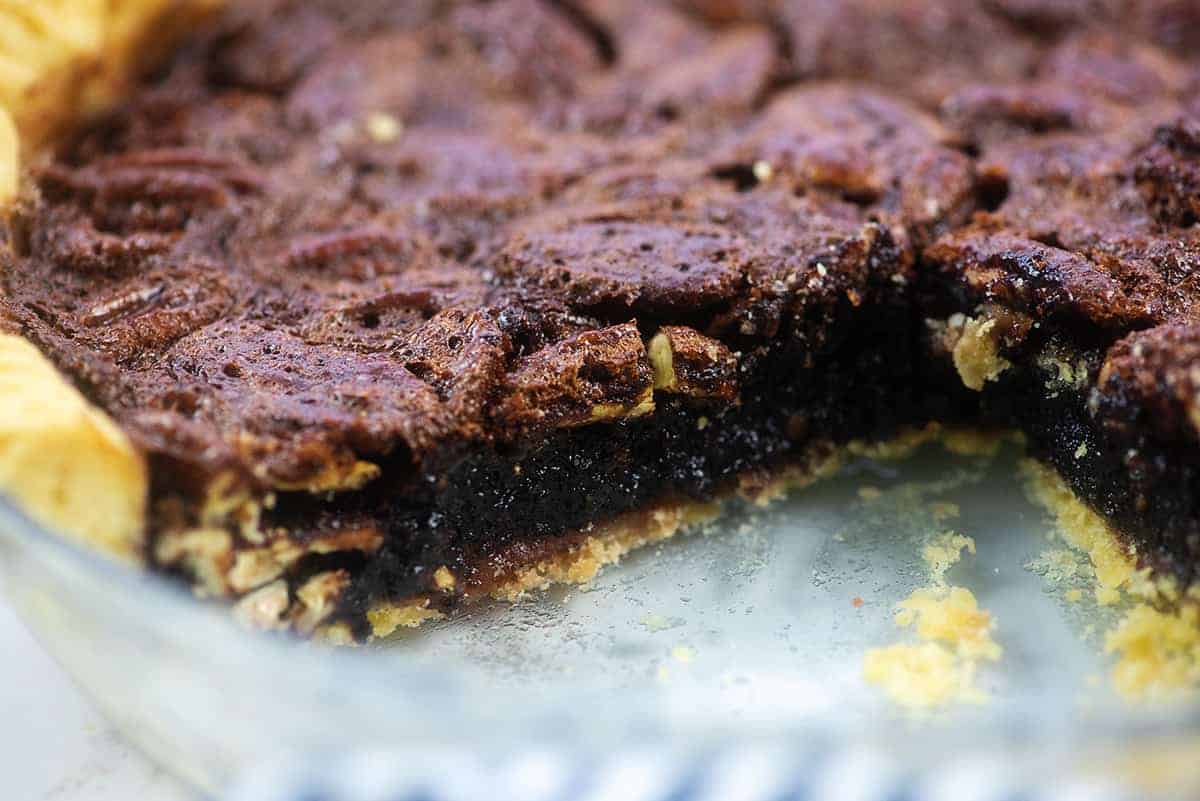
(495, 512)
(399, 299)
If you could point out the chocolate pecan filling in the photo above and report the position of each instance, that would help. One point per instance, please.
(400, 297)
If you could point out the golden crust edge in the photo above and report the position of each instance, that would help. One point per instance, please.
(579, 564)
(1154, 648)
(65, 61)
(63, 461)
(1114, 562)
(606, 545)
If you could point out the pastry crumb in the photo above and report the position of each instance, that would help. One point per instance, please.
(1083, 529)
(944, 551)
(951, 615)
(977, 353)
(922, 676)
(443, 579)
(654, 623)
(1061, 566)
(954, 635)
(683, 653)
(1157, 653)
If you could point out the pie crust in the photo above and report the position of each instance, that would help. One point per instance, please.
(61, 458)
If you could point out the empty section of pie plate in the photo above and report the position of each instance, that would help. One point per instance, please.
(793, 624)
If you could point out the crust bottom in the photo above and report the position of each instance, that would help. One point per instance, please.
(578, 563)
(1114, 561)
(583, 557)
(1155, 647)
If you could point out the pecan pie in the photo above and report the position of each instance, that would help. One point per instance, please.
(375, 307)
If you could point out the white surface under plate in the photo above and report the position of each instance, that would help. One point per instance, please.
(56, 746)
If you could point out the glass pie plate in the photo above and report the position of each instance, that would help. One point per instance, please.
(726, 663)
